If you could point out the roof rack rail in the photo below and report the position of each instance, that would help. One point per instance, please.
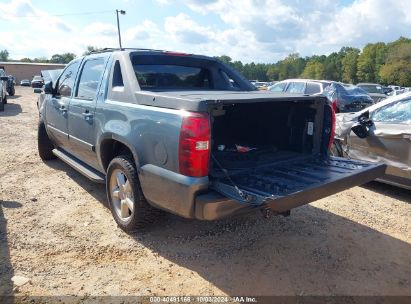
(104, 50)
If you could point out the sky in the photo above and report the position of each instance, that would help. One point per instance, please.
(246, 30)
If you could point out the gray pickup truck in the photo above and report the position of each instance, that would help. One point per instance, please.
(187, 134)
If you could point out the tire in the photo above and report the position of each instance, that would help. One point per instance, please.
(1, 105)
(12, 91)
(121, 171)
(336, 149)
(5, 99)
(44, 145)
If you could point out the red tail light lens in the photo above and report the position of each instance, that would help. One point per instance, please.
(332, 133)
(334, 105)
(194, 147)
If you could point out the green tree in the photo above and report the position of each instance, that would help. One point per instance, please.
(313, 70)
(26, 59)
(62, 58)
(4, 55)
(397, 68)
(349, 65)
(90, 49)
(370, 61)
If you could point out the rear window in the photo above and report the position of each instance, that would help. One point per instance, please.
(372, 88)
(353, 90)
(159, 76)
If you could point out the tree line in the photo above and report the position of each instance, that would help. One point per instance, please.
(385, 63)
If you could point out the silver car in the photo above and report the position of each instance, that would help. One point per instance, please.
(380, 133)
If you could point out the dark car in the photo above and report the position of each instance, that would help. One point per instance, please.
(10, 85)
(25, 83)
(375, 90)
(347, 97)
(385, 138)
(3, 89)
(37, 82)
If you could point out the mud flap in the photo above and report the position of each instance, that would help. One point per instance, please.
(286, 185)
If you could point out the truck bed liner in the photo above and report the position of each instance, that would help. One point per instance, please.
(285, 185)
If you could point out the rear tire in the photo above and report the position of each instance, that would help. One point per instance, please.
(5, 99)
(125, 197)
(44, 145)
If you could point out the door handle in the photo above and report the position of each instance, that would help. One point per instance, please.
(62, 109)
(87, 115)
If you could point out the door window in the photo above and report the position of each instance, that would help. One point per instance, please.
(66, 81)
(278, 87)
(399, 112)
(90, 78)
(313, 88)
(296, 87)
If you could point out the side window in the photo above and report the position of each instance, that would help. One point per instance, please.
(117, 75)
(278, 87)
(399, 112)
(66, 80)
(312, 88)
(231, 83)
(90, 78)
(296, 87)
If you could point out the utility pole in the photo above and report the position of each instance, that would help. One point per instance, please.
(118, 26)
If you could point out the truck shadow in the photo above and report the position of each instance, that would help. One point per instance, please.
(6, 268)
(15, 96)
(11, 109)
(313, 252)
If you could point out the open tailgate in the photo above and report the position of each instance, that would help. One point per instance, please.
(285, 185)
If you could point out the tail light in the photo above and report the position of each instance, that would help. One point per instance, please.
(334, 105)
(332, 133)
(194, 147)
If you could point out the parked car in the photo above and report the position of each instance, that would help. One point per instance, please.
(375, 90)
(25, 83)
(37, 82)
(3, 89)
(385, 134)
(300, 86)
(347, 98)
(189, 135)
(10, 85)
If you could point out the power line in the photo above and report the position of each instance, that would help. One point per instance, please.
(58, 15)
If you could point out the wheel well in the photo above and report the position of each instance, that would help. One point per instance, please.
(111, 148)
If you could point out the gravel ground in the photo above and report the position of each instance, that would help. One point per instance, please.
(56, 231)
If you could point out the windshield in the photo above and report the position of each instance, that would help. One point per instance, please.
(371, 88)
(168, 72)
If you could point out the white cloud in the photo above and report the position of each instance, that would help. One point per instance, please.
(259, 30)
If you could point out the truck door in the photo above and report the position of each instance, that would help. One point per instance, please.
(82, 109)
(57, 105)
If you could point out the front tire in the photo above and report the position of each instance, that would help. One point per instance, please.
(44, 145)
(127, 203)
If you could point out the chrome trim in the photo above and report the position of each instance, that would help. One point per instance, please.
(82, 142)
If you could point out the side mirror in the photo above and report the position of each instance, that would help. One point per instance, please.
(4, 78)
(361, 127)
(48, 87)
(38, 90)
(365, 120)
(360, 130)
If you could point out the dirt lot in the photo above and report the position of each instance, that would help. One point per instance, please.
(56, 230)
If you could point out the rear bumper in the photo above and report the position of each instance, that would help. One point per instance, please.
(193, 198)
